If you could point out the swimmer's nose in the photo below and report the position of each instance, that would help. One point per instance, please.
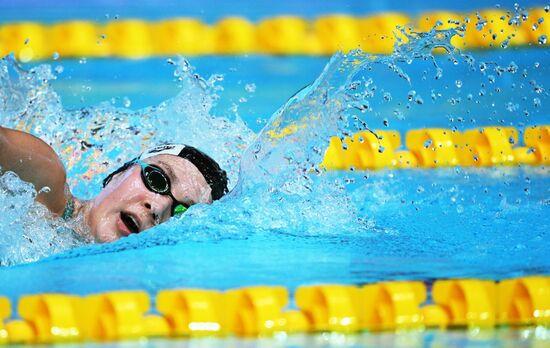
(159, 211)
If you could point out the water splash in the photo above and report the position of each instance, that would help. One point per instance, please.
(29, 232)
(278, 186)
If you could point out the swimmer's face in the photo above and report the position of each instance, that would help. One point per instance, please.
(127, 206)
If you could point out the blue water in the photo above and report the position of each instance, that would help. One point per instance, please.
(283, 224)
(149, 82)
(421, 224)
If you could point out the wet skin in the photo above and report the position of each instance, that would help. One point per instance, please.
(126, 206)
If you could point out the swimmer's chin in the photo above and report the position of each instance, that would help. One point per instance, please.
(106, 237)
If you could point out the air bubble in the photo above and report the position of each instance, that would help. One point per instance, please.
(55, 56)
(458, 83)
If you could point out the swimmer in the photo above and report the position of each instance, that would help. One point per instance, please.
(162, 182)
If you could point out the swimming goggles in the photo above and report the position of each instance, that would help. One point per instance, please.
(157, 181)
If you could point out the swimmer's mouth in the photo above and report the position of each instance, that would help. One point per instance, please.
(130, 222)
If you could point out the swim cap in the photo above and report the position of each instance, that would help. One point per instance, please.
(213, 174)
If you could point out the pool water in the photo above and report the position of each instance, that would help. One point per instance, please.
(283, 224)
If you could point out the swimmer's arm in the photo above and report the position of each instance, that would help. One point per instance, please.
(36, 162)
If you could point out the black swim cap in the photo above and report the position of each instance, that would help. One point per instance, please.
(210, 169)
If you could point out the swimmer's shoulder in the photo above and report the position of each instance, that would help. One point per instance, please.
(34, 161)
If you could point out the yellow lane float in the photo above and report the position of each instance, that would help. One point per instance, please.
(438, 147)
(282, 35)
(191, 312)
(262, 310)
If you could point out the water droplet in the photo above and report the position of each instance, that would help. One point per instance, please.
(82, 61)
(505, 43)
(541, 20)
(55, 56)
(482, 67)
(535, 27)
(411, 95)
(27, 40)
(480, 24)
(44, 189)
(420, 189)
(381, 149)
(242, 100)
(458, 83)
(511, 140)
(546, 8)
(58, 69)
(170, 61)
(387, 96)
(126, 102)
(459, 209)
(512, 107)
(349, 180)
(385, 122)
(536, 102)
(542, 40)
(250, 87)
(428, 143)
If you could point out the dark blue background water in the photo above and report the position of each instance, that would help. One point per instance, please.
(211, 11)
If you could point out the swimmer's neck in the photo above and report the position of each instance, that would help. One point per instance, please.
(81, 217)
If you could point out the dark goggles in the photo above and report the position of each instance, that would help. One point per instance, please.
(157, 181)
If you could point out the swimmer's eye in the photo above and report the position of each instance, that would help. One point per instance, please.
(179, 209)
